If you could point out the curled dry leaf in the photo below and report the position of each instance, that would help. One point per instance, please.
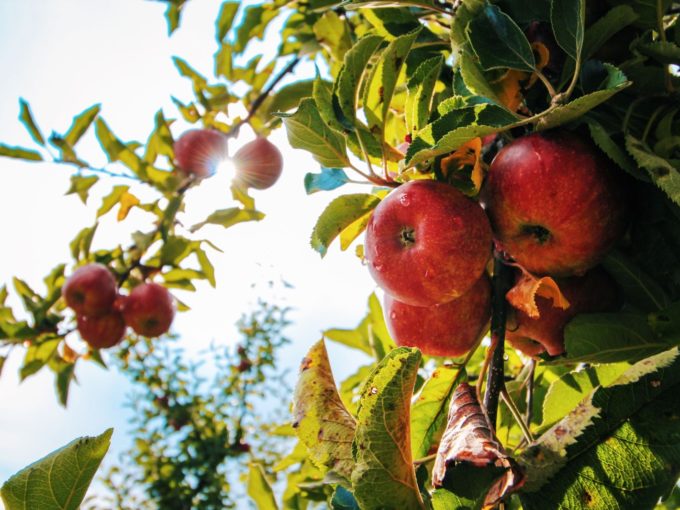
(467, 155)
(523, 295)
(469, 442)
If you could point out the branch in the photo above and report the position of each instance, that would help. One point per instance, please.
(233, 131)
(501, 283)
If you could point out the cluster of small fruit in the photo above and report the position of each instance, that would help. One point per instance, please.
(103, 314)
(551, 205)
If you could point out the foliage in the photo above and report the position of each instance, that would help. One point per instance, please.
(408, 90)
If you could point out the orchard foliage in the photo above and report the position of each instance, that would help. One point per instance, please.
(428, 90)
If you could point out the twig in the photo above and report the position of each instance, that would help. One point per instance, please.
(516, 415)
(530, 391)
(425, 460)
(495, 382)
(233, 131)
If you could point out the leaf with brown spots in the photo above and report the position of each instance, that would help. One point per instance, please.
(523, 295)
(321, 420)
(384, 477)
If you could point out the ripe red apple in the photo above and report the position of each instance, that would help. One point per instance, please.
(427, 243)
(450, 329)
(258, 164)
(90, 290)
(555, 203)
(149, 309)
(199, 151)
(102, 331)
(591, 293)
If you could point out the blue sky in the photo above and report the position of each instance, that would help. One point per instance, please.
(64, 56)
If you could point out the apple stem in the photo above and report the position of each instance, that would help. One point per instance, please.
(501, 283)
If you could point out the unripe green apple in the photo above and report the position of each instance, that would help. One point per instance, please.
(199, 151)
(450, 329)
(258, 164)
(102, 331)
(427, 243)
(149, 309)
(556, 204)
(90, 290)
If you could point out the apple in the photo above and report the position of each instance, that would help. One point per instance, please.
(90, 290)
(555, 203)
(427, 243)
(102, 331)
(591, 293)
(450, 329)
(258, 164)
(149, 309)
(199, 151)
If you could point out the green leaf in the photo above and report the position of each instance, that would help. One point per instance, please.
(498, 42)
(638, 287)
(338, 215)
(630, 469)
(329, 179)
(616, 81)
(662, 172)
(383, 80)
(229, 217)
(306, 130)
(383, 477)
(618, 155)
(173, 13)
(613, 337)
(343, 500)
(37, 356)
(60, 480)
(604, 28)
(26, 118)
(206, 266)
(456, 127)
(421, 93)
(345, 90)
(474, 79)
(65, 375)
(429, 412)
(568, 21)
(259, 489)
(80, 185)
(19, 153)
(596, 417)
(116, 150)
(225, 19)
(110, 200)
(80, 245)
(565, 394)
(80, 124)
(321, 420)
(255, 21)
(160, 141)
(334, 33)
(664, 52)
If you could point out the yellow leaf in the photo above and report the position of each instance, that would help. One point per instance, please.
(127, 201)
(353, 231)
(465, 156)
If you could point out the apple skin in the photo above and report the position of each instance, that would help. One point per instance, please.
(427, 243)
(149, 310)
(258, 164)
(593, 292)
(103, 331)
(199, 151)
(90, 290)
(450, 329)
(555, 203)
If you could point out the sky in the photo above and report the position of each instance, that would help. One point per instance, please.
(63, 56)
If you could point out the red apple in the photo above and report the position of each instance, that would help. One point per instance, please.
(555, 203)
(90, 290)
(199, 151)
(102, 331)
(450, 329)
(427, 243)
(258, 164)
(591, 293)
(149, 309)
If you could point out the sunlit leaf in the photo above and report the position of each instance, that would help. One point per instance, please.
(229, 217)
(259, 489)
(19, 153)
(80, 124)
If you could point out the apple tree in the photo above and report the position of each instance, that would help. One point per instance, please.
(520, 169)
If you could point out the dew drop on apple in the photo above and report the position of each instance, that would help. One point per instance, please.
(405, 200)
(374, 390)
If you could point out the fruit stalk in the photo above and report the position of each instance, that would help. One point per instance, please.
(501, 283)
